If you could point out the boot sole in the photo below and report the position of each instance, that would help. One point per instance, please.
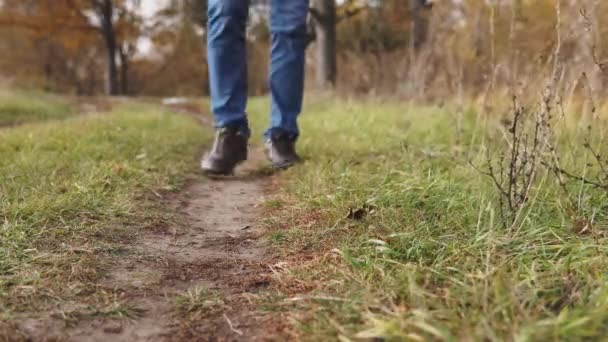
(222, 173)
(284, 166)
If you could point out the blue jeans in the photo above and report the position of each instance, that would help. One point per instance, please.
(228, 63)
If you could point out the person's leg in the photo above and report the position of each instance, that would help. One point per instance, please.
(289, 40)
(228, 62)
(228, 82)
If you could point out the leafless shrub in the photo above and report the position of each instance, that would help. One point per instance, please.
(533, 144)
(515, 169)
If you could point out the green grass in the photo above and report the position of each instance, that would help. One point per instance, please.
(73, 192)
(20, 108)
(197, 300)
(429, 258)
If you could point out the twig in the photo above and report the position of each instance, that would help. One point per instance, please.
(578, 178)
(234, 330)
(326, 298)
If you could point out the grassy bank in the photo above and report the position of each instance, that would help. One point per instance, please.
(19, 108)
(391, 233)
(72, 192)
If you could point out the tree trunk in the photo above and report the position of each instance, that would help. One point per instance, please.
(420, 24)
(124, 71)
(325, 17)
(588, 50)
(106, 14)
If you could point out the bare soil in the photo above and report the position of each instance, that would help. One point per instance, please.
(216, 248)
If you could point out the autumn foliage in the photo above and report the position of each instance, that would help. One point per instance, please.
(451, 48)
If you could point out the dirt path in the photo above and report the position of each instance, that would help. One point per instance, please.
(197, 280)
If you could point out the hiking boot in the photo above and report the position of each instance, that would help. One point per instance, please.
(281, 151)
(229, 149)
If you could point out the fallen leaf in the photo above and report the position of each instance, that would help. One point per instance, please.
(359, 213)
(583, 227)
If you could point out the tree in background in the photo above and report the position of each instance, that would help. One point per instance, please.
(178, 64)
(104, 11)
(419, 19)
(47, 44)
(118, 24)
(324, 13)
(382, 24)
(68, 30)
(129, 27)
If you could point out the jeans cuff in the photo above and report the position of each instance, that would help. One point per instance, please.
(240, 125)
(280, 133)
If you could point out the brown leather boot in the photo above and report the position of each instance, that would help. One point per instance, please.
(229, 149)
(281, 151)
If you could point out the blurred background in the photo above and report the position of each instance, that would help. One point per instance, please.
(416, 49)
